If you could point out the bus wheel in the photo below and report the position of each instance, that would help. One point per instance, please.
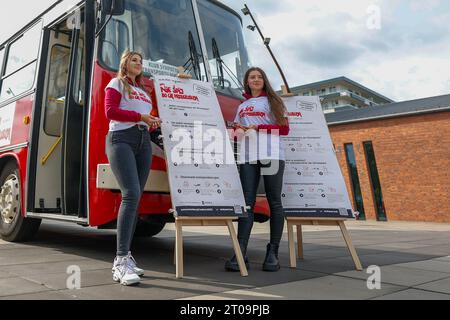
(13, 226)
(149, 227)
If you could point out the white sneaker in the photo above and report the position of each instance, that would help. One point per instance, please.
(132, 263)
(124, 274)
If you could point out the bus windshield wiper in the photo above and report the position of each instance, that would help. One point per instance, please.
(220, 68)
(219, 63)
(194, 61)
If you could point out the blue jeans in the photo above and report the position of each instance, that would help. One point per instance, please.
(130, 156)
(250, 177)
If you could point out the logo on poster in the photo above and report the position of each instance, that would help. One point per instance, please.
(295, 114)
(175, 93)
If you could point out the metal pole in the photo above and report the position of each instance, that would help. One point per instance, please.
(198, 22)
(270, 50)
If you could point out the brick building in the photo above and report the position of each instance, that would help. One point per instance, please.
(396, 159)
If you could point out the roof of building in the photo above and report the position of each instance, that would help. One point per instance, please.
(344, 79)
(412, 107)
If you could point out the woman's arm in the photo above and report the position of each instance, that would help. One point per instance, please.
(113, 111)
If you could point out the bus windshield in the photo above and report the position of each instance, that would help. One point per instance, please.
(165, 32)
(227, 52)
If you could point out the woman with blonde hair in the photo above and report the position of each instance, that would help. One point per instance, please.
(128, 147)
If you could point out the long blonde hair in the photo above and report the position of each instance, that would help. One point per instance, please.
(123, 72)
(276, 103)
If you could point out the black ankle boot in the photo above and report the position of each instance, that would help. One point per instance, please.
(232, 264)
(271, 263)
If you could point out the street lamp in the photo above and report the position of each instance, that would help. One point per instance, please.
(246, 11)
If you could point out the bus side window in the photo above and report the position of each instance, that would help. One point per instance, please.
(2, 54)
(56, 91)
(21, 64)
(115, 42)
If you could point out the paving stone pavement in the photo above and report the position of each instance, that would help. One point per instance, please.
(413, 259)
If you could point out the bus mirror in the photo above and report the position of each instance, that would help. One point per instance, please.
(114, 7)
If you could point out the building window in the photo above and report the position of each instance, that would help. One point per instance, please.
(354, 178)
(375, 181)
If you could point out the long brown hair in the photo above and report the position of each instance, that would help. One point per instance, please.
(276, 104)
(123, 72)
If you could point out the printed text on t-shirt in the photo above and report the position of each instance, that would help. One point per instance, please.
(250, 112)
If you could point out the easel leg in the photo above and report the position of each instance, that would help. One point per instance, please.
(179, 249)
(300, 241)
(292, 255)
(350, 246)
(237, 249)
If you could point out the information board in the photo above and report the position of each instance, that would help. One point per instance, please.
(203, 176)
(313, 183)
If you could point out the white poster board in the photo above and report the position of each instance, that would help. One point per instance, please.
(313, 183)
(203, 176)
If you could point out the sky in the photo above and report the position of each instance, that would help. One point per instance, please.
(399, 48)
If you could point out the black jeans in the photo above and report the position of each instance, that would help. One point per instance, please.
(250, 177)
(130, 156)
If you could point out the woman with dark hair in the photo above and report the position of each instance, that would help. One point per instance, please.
(128, 147)
(264, 116)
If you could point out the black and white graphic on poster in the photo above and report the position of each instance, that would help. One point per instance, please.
(203, 176)
(313, 181)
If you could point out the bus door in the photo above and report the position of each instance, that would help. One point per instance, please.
(59, 178)
(73, 128)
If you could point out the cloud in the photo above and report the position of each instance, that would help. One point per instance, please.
(313, 41)
(330, 52)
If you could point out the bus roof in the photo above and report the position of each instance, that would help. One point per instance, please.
(66, 5)
(224, 6)
(63, 6)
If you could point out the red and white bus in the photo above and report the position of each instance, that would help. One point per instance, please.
(52, 121)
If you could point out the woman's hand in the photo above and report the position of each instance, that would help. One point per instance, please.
(152, 121)
(252, 127)
(238, 126)
(245, 128)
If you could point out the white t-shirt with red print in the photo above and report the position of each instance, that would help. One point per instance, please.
(258, 145)
(138, 101)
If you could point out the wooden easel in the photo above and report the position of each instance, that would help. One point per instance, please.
(181, 222)
(299, 222)
(285, 93)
